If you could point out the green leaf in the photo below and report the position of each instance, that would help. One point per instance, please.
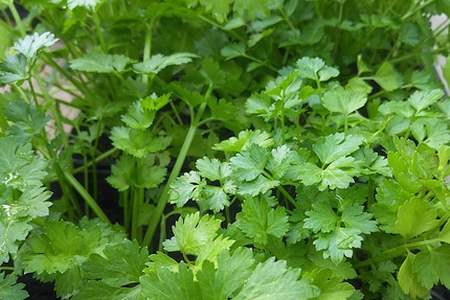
(154, 103)
(421, 100)
(137, 117)
(98, 62)
(13, 69)
(118, 265)
(335, 146)
(244, 140)
(343, 101)
(321, 218)
(138, 143)
(218, 9)
(58, 246)
(89, 4)
(338, 232)
(432, 132)
(431, 266)
(309, 174)
(281, 161)
(315, 69)
(212, 169)
(185, 188)
(233, 50)
(10, 290)
(273, 280)
(231, 273)
(22, 197)
(158, 62)
(354, 217)
(30, 45)
(338, 174)
(27, 120)
(388, 77)
(136, 172)
(258, 221)
(192, 234)
(168, 285)
(258, 186)
(339, 243)
(415, 217)
(96, 290)
(249, 164)
(407, 279)
(333, 289)
(372, 163)
(214, 198)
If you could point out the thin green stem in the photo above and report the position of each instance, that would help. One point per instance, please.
(33, 92)
(80, 86)
(55, 110)
(17, 18)
(97, 159)
(263, 63)
(127, 209)
(162, 232)
(282, 190)
(68, 91)
(138, 200)
(6, 17)
(396, 251)
(175, 112)
(186, 259)
(21, 92)
(165, 193)
(85, 195)
(175, 171)
(98, 30)
(147, 49)
(417, 9)
(287, 19)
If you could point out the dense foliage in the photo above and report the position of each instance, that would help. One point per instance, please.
(257, 149)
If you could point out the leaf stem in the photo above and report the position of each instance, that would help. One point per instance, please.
(417, 9)
(98, 30)
(396, 251)
(287, 195)
(85, 195)
(155, 220)
(33, 92)
(147, 49)
(287, 19)
(99, 158)
(17, 18)
(138, 200)
(165, 193)
(282, 190)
